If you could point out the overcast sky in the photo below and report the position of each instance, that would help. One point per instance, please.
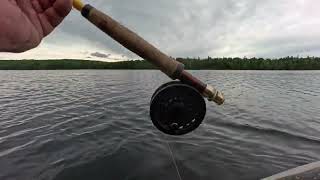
(229, 28)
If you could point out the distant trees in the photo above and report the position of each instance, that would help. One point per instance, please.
(71, 64)
(286, 63)
(209, 63)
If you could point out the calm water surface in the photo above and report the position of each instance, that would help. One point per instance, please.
(64, 125)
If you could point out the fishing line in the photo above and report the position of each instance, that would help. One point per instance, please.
(173, 158)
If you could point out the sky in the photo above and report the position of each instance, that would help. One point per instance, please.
(191, 28)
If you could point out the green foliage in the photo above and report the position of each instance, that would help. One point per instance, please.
(287, 63)
(71, 64)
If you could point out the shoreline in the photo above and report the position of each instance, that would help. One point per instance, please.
(258, 64)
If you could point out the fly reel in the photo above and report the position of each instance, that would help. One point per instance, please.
(177, 108)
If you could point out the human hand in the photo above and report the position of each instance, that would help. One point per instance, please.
(24, 23)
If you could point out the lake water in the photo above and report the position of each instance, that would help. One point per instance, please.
(89, 124)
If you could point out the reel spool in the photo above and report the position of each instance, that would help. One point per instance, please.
(177, 108)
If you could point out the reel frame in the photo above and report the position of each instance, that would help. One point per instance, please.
(177, 108)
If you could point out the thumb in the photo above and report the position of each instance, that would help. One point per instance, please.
(62, 7)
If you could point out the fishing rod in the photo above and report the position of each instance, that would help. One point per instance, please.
(177, 107)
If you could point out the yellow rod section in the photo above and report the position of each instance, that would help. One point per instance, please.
(78, 4)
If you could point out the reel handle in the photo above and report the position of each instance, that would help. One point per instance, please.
(136, 44)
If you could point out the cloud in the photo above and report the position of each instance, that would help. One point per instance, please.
(201, 28)
(100, 55)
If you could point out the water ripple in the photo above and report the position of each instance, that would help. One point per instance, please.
(95, 125)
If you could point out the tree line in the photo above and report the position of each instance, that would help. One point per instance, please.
(209, 63)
